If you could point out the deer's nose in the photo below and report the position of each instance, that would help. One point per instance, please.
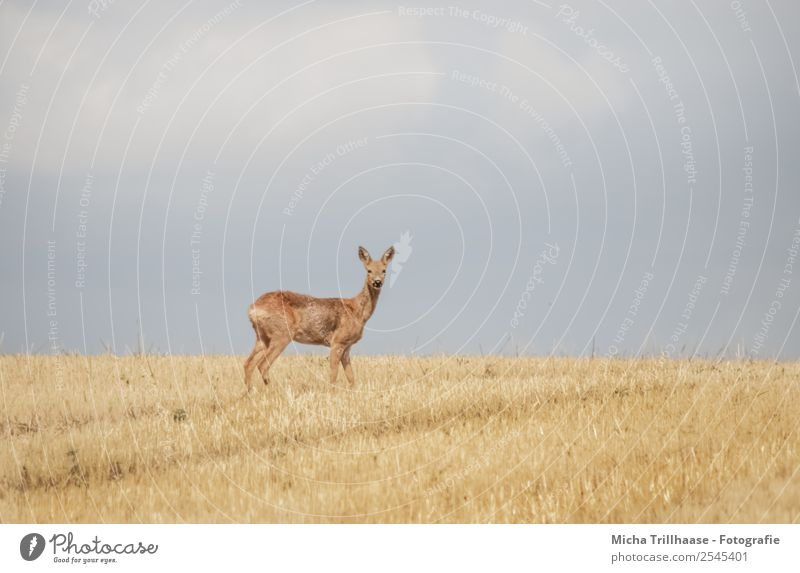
(377, 283)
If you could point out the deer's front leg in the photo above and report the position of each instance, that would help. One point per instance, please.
(336, 356)
(348, 370)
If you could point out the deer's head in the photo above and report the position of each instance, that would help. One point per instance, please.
(376, 269)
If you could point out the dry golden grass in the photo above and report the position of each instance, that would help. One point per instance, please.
(441, 439)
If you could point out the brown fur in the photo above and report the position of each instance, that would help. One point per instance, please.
(281, 317)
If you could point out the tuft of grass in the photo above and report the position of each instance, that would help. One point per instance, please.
(149, 438)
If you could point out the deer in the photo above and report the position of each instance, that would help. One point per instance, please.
(281, 317)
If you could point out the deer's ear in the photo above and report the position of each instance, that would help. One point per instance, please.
(363, 254)
(387, 256)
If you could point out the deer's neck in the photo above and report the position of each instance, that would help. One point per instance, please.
(366, 301)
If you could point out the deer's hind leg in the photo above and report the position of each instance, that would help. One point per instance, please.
(277, 344)
(256, 357)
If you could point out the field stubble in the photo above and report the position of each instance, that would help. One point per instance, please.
(151, 438)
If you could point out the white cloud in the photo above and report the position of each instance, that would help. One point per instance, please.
(202, 59)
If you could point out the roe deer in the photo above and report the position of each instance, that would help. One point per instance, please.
(281, 317)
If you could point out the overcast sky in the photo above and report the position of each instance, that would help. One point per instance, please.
(616, 178)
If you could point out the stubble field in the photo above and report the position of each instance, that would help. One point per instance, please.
(419, 439)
